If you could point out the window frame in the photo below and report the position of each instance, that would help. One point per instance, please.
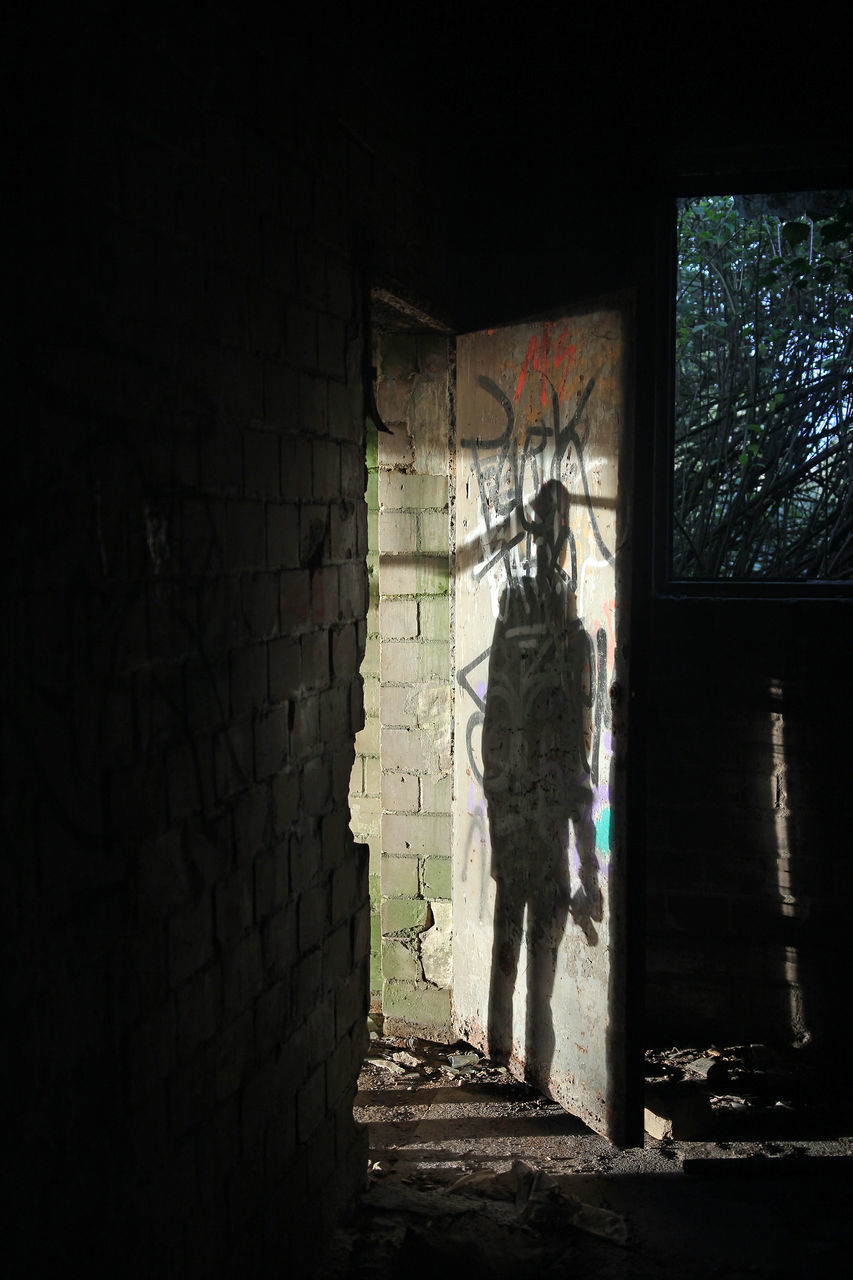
(687, 186)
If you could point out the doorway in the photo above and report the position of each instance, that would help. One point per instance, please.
(516, 498)
(542, 594)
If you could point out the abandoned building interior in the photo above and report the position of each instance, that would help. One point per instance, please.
(336, 352)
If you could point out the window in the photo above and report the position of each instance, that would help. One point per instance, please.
(761, 475)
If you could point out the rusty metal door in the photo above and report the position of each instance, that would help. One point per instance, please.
(541, 626)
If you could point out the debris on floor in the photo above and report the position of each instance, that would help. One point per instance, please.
(737, 1091)
(425, 1058)
(472, 1172)
(672, 1114)
(531, 1189)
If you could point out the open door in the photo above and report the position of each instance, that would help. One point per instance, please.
(541, 628)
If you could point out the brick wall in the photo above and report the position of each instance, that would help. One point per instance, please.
(184, 914)
(185, 918)
(748, 866)
(365, 798)
(415, 656)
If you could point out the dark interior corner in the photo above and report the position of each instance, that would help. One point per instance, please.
(200, 210)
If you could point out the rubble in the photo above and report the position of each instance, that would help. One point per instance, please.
(530, 1188)
(741, 1089)
(474, 1173)
(670, 1113)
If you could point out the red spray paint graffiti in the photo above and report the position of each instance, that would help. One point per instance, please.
(552, 358)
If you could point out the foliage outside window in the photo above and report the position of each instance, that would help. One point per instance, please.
(763, 447)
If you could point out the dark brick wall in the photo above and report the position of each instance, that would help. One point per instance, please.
(749, 871)
(185, 917)
(185, 914)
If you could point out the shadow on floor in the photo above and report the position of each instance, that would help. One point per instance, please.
(473, 1174)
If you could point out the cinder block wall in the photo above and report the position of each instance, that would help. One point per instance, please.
(415, 709)
(185, 914)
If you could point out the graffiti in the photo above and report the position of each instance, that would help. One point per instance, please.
(503, 466)
(475, 719)
(513, 533)
(596, 664)
(539, 357)
(537, 784)
(537, 617)
(535, 736)
(476, 836)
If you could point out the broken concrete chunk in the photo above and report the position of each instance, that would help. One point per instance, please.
(436, 946)
(407, 1059)
(676, 1113)
(387, 1065)
(528, 1188)
(710, 1069)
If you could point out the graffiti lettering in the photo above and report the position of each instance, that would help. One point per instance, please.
(504, 466)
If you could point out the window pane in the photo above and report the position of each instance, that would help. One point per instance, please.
(763, 449)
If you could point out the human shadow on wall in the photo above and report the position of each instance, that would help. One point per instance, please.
(536, 780)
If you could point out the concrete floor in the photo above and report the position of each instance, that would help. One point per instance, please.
(473, 1174)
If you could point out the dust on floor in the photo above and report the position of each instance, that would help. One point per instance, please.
(474, 1174)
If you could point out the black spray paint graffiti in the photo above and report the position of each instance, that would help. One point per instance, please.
(501, 478)
(600, 706)
(501, 466)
